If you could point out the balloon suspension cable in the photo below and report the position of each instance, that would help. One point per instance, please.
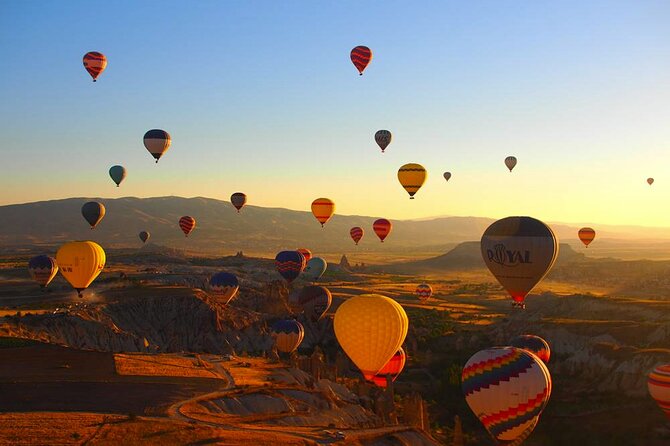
(156, 160)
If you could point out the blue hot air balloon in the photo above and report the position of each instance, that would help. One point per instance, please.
(42, 269)
(315, 268)
(288, 335)
(224, 285)
(290, 264)
(118, 173)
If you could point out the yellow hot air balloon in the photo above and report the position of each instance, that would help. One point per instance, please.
(411, 177)
(323, 209)
(370, 328)
(80, 263)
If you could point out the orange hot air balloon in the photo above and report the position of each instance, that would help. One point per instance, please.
(519, 252)
(586, 235)
(323, 209)
(382, 228)
(658, 383)
(187, 224)
(95, 63)
(361, 57)
(411, 177)
(356, 234)
(80, 263)
(306, 253)
(392, 368)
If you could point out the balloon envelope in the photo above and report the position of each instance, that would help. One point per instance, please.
(411, 177)
(157, 142)
(93, 212)
(315, 268)
(95, 63)
(519, 252)
(238, 199)
(534, 344)
(289, 264)
(586, 235)
(187, 224)
(80, 263)
(288, 335)
(650, 181)
(393, 368)
(370, 328)
(383, 138)
(323, 209)
(118, 173)
(447, 175)
(382, 228)
(510, 162)
(315, 300)
(306, 253)
(224, 285)
(361, 57)
(658, 384)
(424, 292)
(144, 236)
(42, 269)
(507, 388)
(356, 234)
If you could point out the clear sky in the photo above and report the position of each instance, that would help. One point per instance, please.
(261, 97)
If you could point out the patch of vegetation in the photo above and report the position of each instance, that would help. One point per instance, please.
(7, 342)
(429, 324)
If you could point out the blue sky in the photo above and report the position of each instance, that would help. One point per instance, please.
(261, 97)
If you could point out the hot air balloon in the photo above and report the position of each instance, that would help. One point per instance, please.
(370, 328)
(519, 252)
(658, 383)
(383, 139)
(586, 235)
(411, 177)
(306, 253)
(361, 57)
(356, 234)
(289, 264)
(80, 263)
(315, 300)
(144, 236)
(238, 199)
(187, 224)
(315, 268)
(118, 173)
(95, 63)
(157, 142)
(224, 285)
(447, 175)
(650, 181)
(507, 388)
(510, 162)
(382, 228)
(424, 292)
(392, 368)
(42, 269)
(534, 344)
(93, 212)
(323, 209)
(288, 335)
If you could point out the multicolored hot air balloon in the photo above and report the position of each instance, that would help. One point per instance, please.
(356, 234)
(383, 138)
(370, 328)
(424, 292)
(586, 235)
(382, 228)
(42, 269)
(289, 264)
(411, 177)
(315, 268)
(306, 253)
(118, 174)
(519, 252)
(80, 263)
(225, 285)
(658, 383)
(361, 57)
(650, 181)
(392, 368)
(144, 236)
(323, 209)
(315, 300)
(95, 63)
(510, 162)
(288, 334)
(447, 175)
(534, 344)
(157, 142)
(187, 224)
(507, 388)
(238, 199)
(93, 212)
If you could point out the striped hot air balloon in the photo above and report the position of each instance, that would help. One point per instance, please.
(93, 213)
(361, 57)
(507, 388)
(288, 334)
(510, 162)
(411, 177)
(534, 344)
(424, 292)
(392, 368)
(306, 253)
(356, 234)
(187, 224)
(157, 142)
(95, 63)
(42, 269)
(238, 199)
(383, 139)
(323, 209)
(382, 228)
(586, 235)
(225, 285)
(658, 383)
(289, 264)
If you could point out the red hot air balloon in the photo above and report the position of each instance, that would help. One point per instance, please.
(361, 57)
(658, 383)
(306, 253)
(534, 344)
(382, 228)
(95, 63)
(586, 235)
(393, 368)
(187, 224)
(424, 292)
(356, 234)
